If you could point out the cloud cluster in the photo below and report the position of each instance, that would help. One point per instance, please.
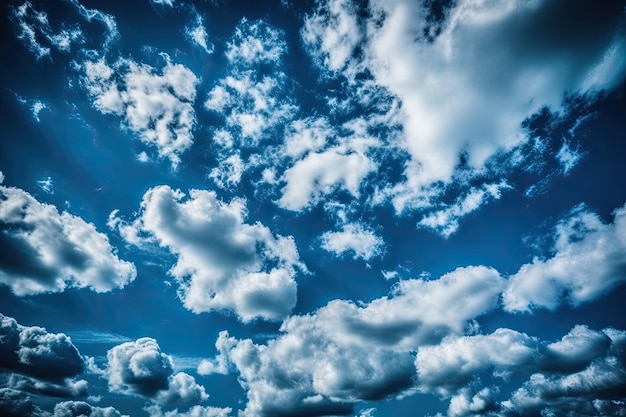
(324, 362)
(222, 263)
(157, 107)
(588, 261)
(48, 251)
(467, 81)
(83, 409)
(141, 368)
(34, 360)
(34, 28)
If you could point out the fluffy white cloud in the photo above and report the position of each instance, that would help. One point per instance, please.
(450, 365)
(141, 368)
(470, 403)
(195, 411)
(597, 390)
(223, 262)
(353, 238)
(83, 409)
(467, 82)
(48, 251)
(255, 42)
(588, 261)
(229, 171)
(324, 362)
(157, 107)
(333, 33)
(320, 173)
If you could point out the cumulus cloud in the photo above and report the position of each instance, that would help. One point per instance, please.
(324, 362)
(596, 390)
(34, 360)
(48, 251)
(83, 409)
(460, 110)
(223, 263)
(141, 368)
(255, 42)
(195, 411)
(588, 261)
(157, 107)
(353, 238)
(333, 34)
(15, 403)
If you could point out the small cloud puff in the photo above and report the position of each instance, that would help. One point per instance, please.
(353, 238)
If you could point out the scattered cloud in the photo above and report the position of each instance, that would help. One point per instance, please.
(46, 184)
(456, 105)
(157, 107)
(34, 28)
(169, 3)
(48, 251)
(222, 263)
(361, 352)
(588, 261)
(446, 221)
(353, 238)
(568, 158)
(197, 35)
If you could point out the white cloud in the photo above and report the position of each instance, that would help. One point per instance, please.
(320, 173)
(223, 262)
(450, 365)
(353, 238)
(107, 20)
(470, 403)
(250, 104)
(446, 221)
(197, 34)
(141, 368)
(83, 409)
(195, 411)
(332, 34)
(46, 184)
(169, 3)
(324, 362)
(159, 108)
(255, 42)
(588, 261)
(1, 177)
(587, 392)
(228, 173)
(33, 27)
(466, 90)
(568, 158)
(48, 251)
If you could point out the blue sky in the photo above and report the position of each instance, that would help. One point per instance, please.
(312, 208)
